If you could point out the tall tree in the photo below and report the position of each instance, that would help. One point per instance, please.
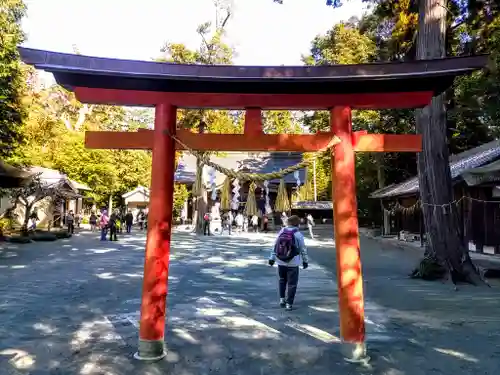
(444, 234)
(12, 112)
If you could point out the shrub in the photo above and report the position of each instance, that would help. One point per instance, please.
(85, 220)
(19, 239)
(62, 234)
(44, 237)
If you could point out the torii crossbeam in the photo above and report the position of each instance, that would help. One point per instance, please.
(335, 88)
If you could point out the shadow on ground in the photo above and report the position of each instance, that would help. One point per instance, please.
(70, 307)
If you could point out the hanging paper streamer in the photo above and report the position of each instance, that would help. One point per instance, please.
(268, 204)
(236, 195)
(225, 195)
(297, 178)
(212, 180)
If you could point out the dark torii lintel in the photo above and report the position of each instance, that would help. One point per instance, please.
(130, 82)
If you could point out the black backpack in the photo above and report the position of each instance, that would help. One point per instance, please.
(286, 246)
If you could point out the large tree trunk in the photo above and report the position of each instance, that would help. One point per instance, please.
(201, 204)
(386, 225)
(27, 212)
(445, 251)
(201, 200)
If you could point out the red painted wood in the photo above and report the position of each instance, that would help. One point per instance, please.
(143, 140)
(253, 122)
(118, 97)
(154, 289)
(363, 142)
(264, 101)
(349, 278)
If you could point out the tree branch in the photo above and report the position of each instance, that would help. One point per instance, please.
(223, 25)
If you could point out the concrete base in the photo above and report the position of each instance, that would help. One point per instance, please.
(150, 350)
(354, 352)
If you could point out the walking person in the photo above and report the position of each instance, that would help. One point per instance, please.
(239, 222)
(129, 220)
(245, 223)
(284, 220)
(255, 223)
(78, 219)
(70, 222)
(265, 224)
(289, 251)
(113, 226)
(103, 223)
(33, 218)
(206, 224)
(226, 223)
(93, 221)
(141, 218)
(310, 225)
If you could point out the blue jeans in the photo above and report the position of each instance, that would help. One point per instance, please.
(104, 233)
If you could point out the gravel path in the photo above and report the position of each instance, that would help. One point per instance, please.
(70, 307)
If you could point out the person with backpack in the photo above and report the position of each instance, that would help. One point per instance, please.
(289, 251)
(206, 224)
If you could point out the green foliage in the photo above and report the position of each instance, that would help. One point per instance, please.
(12, 112)
(343, 44)
(54, 134)
(388, 33)
(280, 122)
(181, 193)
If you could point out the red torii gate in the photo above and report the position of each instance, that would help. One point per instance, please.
(171, 86)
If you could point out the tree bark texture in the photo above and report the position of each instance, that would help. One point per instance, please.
(201, 200)
(386, 225)
(201, 203)
(444, 232)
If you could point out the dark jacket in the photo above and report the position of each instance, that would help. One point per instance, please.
(129, 218)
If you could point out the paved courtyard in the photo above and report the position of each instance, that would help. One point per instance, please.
(70, 307)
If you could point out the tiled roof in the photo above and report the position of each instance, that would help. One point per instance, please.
(241, 161)
(459, 163)
(52, 176)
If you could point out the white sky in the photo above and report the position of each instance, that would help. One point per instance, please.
(262, 32)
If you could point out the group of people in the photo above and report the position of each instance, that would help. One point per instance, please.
(240, 221)
(107, 224)
(243, 223)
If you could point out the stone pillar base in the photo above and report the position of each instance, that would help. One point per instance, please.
(150, 350)
(355, 352)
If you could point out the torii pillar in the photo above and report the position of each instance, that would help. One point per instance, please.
(156, 258)
(345, 212)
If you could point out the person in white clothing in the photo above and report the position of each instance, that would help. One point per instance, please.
(239, 222)
(310, 224)
(255, 223)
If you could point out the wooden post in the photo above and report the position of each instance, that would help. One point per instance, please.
(349, 278)
(154, 289)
